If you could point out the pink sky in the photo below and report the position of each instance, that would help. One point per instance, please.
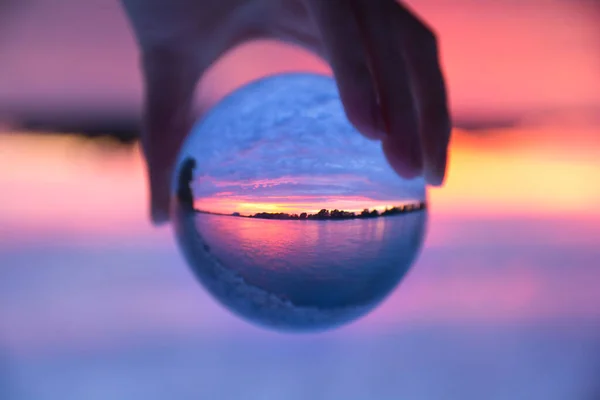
(500, 57)
(66, 184)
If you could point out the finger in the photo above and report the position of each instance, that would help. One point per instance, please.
(343, 47)
(421, 51)
(403, 144)
(170, 81)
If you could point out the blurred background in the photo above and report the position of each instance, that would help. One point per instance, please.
(503, 302)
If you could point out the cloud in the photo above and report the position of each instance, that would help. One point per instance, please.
(289, 136)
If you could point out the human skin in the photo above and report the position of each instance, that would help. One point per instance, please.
(384, 60)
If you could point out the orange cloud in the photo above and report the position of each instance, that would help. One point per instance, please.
(526, 171)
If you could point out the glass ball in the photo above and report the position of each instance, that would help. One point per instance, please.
(286, 214)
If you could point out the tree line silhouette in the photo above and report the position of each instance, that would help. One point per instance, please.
(325, 214)
(336, 214)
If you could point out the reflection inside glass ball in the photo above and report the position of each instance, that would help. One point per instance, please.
(286, 214)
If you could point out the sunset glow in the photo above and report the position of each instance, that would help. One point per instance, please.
(66, 184)
(546, 170)
(290, 205)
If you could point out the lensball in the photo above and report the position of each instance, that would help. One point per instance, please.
(286, 214)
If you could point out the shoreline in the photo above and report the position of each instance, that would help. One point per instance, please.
(327, 215)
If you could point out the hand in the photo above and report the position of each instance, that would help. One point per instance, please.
(384, 59)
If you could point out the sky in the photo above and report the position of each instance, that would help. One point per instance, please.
(57, 185)
(500, 58)
(290, 148)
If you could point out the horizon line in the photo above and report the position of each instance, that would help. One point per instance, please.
(350, 214)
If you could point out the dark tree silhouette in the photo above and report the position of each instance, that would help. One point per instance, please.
(325, 214)
(185, 195)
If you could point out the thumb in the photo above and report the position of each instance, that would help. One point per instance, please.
(161, 148)
(170, 81)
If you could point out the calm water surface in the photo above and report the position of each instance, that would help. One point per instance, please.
(498, 309)
(308, 260)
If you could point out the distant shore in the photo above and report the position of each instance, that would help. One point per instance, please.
(325, 214)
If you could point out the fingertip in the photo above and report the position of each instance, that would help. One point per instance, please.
(435, 179)
(159, 206)
(436, 174)
(379, 128)
(160, 196)
(159, 217)
(362, 111)
(404, 159)
(373, 130)
(436, 160)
